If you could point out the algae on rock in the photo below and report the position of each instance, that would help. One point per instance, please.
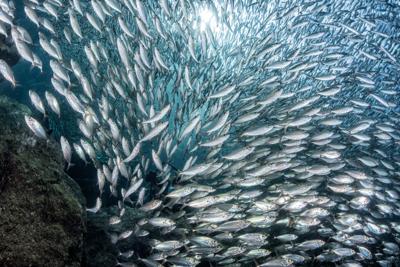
(42, 210)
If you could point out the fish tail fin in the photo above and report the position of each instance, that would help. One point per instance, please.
(32, 67)
(69, 165)
(17, 84)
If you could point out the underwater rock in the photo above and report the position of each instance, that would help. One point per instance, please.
(42, 210)
(98, 249)
(8, 52)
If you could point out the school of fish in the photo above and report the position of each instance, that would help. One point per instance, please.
(273, 126)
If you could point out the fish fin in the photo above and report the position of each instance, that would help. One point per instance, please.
(72, 85)
(69, 165)
(17, 84)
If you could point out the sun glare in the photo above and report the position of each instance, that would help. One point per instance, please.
(207, 18)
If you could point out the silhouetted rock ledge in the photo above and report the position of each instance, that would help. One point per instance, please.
(8, 52)
(99, 251)
(42, 210)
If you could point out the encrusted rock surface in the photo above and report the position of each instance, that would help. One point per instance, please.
(42, 210)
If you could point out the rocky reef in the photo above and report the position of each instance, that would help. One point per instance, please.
(43, 220)
(42, 210)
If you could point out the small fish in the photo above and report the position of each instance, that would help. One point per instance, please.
(35, 127)
(97, 206)
(66, 150)
(7, 72)
(161, 222)
(37, 102)
(53, 103)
